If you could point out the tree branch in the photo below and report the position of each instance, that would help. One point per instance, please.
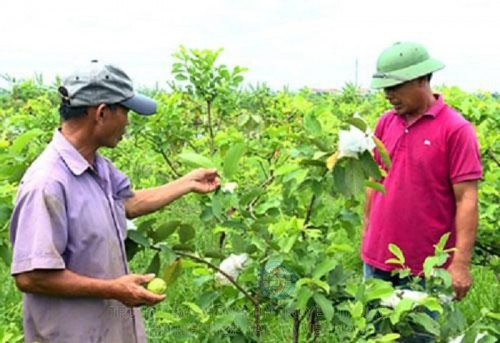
(169, 162)
(210, 130)
(213, 266)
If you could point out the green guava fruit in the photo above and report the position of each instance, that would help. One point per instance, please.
(157, 286)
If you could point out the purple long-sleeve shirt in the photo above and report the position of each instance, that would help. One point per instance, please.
(71, 215)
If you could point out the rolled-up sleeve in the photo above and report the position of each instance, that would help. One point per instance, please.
(39, 229)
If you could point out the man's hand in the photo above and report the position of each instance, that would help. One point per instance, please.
(152, 199)
(461, 279)
(128, 290)
(202, 180)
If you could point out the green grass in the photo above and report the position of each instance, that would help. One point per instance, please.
(485, 293)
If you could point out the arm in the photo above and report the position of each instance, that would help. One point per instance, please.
(65, 283)
(152, 199)
(466, 220)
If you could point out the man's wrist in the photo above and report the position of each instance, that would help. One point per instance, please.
(187, 185)
(460, 261)
(107, 289)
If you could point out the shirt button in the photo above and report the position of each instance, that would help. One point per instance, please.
(406, 130)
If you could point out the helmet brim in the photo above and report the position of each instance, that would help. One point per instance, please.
(394, 78)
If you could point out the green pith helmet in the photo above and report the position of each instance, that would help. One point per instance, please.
(402, 62)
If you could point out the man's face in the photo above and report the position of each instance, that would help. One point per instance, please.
(114, 125)
(405, 97)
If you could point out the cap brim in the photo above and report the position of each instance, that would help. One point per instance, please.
(140, 104)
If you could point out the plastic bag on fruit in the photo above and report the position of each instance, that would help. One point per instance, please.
(232, 266)
(398, 295)
(229, 187)
(354, 142)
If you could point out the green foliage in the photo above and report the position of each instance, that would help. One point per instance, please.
(287, 212)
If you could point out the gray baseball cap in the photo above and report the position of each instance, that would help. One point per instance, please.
(99, 83)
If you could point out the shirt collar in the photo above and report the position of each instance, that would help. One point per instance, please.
(436, 108)
(433, 111)
(76, 163)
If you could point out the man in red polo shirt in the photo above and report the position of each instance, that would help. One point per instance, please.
(431, 187)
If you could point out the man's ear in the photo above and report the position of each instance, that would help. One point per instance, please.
(423, 82)
(99, 112)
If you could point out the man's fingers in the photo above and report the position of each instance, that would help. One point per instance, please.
(151, 298)
(213, 172)
(146, 278)
(460, 291)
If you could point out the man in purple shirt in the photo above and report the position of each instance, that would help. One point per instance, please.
(69, 222)
(431, 187)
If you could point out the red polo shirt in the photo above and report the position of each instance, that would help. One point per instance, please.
(429, 156)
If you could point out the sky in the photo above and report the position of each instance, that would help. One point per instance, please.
(283, 43)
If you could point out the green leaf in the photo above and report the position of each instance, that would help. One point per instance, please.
(273, 263)
(239, 244)
(180, 77)
(172, 272)
(232, 158)
(444, 276)
(308, 281)
(186, 233)
(198, 311)
(339, 179)
(207, 299)
(493, 315)
(402, 307)
(434, 261)
(354, 176)
(154, 265)
(325, 305)
(163, 318)
(217, 204)
(356, 309)
(378, 289)
(183, 247)
(241, 321)
(324, 267)
(289, 243)
(392, 261)
(165, 230)
(303, 296)
(376, 186)
(397, 252)
(340, 247)
(432, 304)
(426, 322)
(442, 242)
(214, 254)
(359, 123)
(312, 125)
(322, 144)
(146, 225)
(384, 154)
(24, 139)
(5, 254)
(370, 167)
(139, 238)
(195, 160)
(390, 337)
